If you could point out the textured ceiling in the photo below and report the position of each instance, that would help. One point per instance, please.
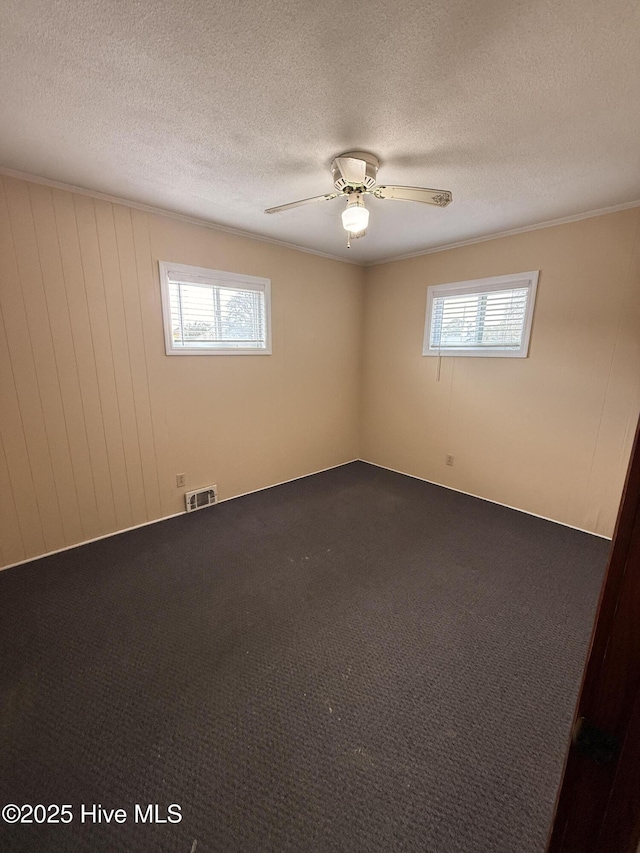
(526, 111)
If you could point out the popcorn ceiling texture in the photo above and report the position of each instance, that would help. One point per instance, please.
(527, 112)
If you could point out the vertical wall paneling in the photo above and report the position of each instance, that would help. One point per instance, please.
(99, 320)
(11, 544)
(23, 357)
(48, 370)
(82, 340)
(615, 435)
(153, 343)
(137, 358)
(122, 365)
(65, 359)
(19, 484)
(11, 540)
(550, 434)
(96, 419)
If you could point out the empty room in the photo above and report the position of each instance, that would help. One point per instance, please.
(319, 388)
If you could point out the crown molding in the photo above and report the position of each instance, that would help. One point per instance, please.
(249, 235)
(170, 214)
(498, 234)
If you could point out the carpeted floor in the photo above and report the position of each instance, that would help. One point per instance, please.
(356, 661)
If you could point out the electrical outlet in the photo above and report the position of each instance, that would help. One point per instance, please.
(180, 480)
(449, 460)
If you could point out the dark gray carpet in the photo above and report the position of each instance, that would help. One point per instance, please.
(356, 661)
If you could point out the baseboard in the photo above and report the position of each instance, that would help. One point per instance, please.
(488, 500)
(167, 517)
(292, 480)
(89, 541)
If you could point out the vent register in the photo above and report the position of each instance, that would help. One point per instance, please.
(200, 498)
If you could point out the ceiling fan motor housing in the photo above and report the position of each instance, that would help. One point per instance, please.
(371, 171)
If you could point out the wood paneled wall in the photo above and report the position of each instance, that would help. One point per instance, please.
(96, 421)
(94, 417)
(550, 434)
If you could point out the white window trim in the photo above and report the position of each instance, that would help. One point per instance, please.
(202, 275)
(482, 285)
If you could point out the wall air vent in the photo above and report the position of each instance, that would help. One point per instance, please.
(201, 498)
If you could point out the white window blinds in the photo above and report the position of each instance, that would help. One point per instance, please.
(216, 316)
(209, 311)
(485, 317)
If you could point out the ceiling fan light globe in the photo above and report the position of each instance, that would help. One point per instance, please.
(355, 217)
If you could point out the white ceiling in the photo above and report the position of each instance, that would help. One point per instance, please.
(527, 110)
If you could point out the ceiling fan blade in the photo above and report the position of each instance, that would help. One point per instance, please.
(291, 204)
(352, 170)
(439, 197)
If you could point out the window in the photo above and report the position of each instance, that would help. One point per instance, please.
(486, 317)
(209, 312)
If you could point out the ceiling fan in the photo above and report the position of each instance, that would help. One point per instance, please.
(354, 175)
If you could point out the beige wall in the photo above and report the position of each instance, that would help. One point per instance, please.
(550, 434)
(96, 420)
